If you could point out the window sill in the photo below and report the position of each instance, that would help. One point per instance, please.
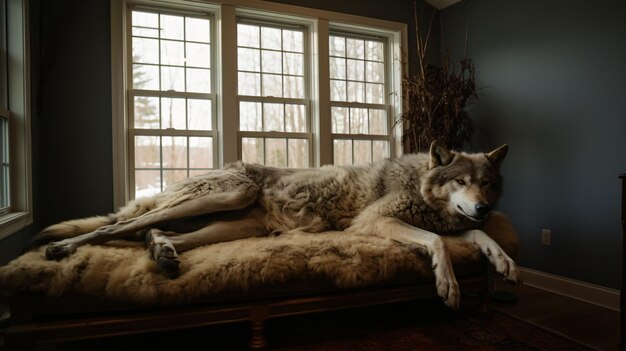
(14, 221)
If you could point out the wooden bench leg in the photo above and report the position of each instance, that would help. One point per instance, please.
(258, 316)
(258, 342)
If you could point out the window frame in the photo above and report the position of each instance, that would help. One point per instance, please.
(248, 17)
(384, 106)
(131, 92)
(16, 80)
(319, 23)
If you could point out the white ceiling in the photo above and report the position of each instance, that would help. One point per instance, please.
(441, 4)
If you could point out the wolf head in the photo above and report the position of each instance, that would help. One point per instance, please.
(468, 185)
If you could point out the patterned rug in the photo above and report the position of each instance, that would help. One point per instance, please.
(396, 327)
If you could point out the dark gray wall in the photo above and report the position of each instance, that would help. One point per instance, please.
(553, 80)
(71, 114)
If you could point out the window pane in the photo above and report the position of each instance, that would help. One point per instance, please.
(200, 114)
(172, 27)
(378, 122)
(173, 78)
(198, 80)
(198, 55)
(249, 84)
(337, 90)
(355, 48)
(337, 68)
(293, 41)
(174, 152)
(375, 94)
(146, 112)
(293, 64)
(374, 51)
(147, 152)
(4, 163)
(337, 46)
(146, 77)
(358, 121)
(340, 120)
(200, 152)
(274, 116)
(356, 92)
(298, 153)
(294, 87)
(250, 117)
(356, 70)
(198, 29)
(145, 50)
(248, 59)
(248, 35)
(342, 150)
(172, 53)
(362, 152)
(271, 62)
(147, 183)
(380, 150)
(145, 24)
(276, 152)
(173, 113)
(375, 72)
(295, 118)
(252, 150)
(271, 38)
(272, 85)
(172, 176)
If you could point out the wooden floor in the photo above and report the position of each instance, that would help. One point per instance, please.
(588, 324)
(594, 326)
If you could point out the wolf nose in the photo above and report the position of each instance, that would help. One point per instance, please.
(482, 208)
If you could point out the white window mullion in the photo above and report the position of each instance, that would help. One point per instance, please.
(228, 123)
(323, 139)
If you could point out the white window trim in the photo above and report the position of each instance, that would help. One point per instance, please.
(226, 12)
(18, 75)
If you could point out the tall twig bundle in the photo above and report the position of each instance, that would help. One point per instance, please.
(436, 99)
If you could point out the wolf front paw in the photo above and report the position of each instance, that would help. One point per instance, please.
(59, 250)
(164, 253)
(508, 269)
(449, 291)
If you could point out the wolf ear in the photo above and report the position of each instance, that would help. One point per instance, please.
(439, 155)
(496, 156)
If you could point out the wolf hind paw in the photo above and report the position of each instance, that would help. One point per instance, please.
(163, 253)
(57, 251)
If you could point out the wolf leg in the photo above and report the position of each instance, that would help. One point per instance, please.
(500, 260)
(395, 229)
(236, 199)
(164, 246)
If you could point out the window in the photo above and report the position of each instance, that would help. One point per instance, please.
(273, 104)
(203, 84)
(171, 115)
(4, 163)
(15, 165)
(359, 110)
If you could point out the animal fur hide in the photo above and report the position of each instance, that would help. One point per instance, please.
(128, 273)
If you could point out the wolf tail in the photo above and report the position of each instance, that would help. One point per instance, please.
(76, 227)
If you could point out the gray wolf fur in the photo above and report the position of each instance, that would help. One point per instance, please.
(412, 199)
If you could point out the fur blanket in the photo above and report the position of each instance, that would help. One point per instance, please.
(127, 273)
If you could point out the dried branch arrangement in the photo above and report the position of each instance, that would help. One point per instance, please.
(436, 99)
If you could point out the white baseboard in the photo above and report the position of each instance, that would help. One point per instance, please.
(590, 293)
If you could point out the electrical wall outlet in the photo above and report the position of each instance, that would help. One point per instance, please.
(546, 237)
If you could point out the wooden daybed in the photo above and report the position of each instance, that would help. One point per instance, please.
(109, 291)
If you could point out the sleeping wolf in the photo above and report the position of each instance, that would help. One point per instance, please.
(411, 199)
